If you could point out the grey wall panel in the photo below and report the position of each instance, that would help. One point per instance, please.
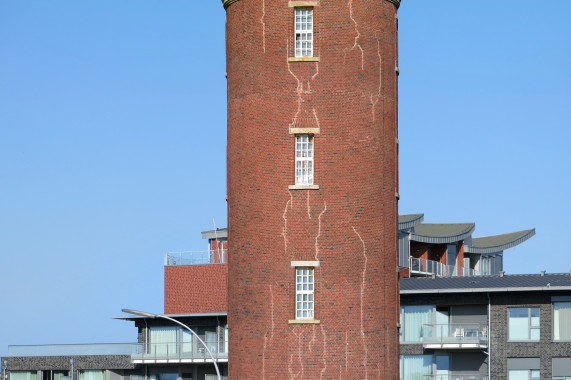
(523, 363)
(469, 314)
(561, 366)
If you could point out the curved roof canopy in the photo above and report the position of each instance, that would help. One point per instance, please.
(498, 243)
(442, 233)
(410, 220)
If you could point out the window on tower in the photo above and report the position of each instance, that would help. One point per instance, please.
(303, 32)
(304, 303)
(304, 160)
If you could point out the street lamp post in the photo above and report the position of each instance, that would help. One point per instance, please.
(153, 316)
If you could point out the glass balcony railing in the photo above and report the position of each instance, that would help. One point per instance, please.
(430, 267)
(73, 349)
(177, 350)
(466, 335)
(455, 377)
(219, 256)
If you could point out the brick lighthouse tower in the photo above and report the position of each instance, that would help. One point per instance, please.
(312, 189)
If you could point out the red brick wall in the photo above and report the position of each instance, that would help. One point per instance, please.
(349, 224)
(196, 289)
(419, 250)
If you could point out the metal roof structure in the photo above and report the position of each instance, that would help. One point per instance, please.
(497, 243)
(486, 284)
(442, 233)
(410, 220)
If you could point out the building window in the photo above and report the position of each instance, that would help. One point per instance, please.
(523, 374)
(562, 321)
(304, 286)
(523, 323)
(416, 367)
(303, 160)
(303, 32)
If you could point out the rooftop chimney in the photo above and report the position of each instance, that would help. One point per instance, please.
(542, 272)
(502, 273)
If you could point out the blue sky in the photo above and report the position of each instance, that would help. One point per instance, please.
(113, 128)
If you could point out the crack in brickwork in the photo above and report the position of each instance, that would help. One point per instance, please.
(356, 44)
(271, 333)
(319, 230)
(363, 286)
(263, 25)
(379, 93)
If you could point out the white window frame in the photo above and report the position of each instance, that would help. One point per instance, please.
(304, 163)
(530, 325)
(304, 293)
(303, 35)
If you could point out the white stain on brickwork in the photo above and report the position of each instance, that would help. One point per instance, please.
(363, 286)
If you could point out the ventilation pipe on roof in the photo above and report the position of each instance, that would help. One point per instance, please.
(542, 272)
(502, 273)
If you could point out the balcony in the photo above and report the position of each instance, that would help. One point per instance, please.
(454, 336)
(219, 256)
(73, 349)
(176, 352)
(430, 267)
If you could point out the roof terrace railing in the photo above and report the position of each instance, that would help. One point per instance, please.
(72, 349)
(430, 267)
(219, 256)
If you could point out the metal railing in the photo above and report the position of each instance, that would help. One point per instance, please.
(219, 256)
(72, 349)
(429, 267)
(178, 350)
(455, 333)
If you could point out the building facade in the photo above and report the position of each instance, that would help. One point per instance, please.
(489, 327)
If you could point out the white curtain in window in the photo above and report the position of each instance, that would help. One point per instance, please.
(186, 341)
(414, 317)
(163, 340)
(562, 321)
(518, 374)
(91, 375)
(416, 367)
(23, 375)
(211, 340)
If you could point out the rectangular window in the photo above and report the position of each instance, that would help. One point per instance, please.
(304, 285)
(416, 367)
(562, 321)
(303, 160)
(164, 340)
(524, 323)
(303, 32)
